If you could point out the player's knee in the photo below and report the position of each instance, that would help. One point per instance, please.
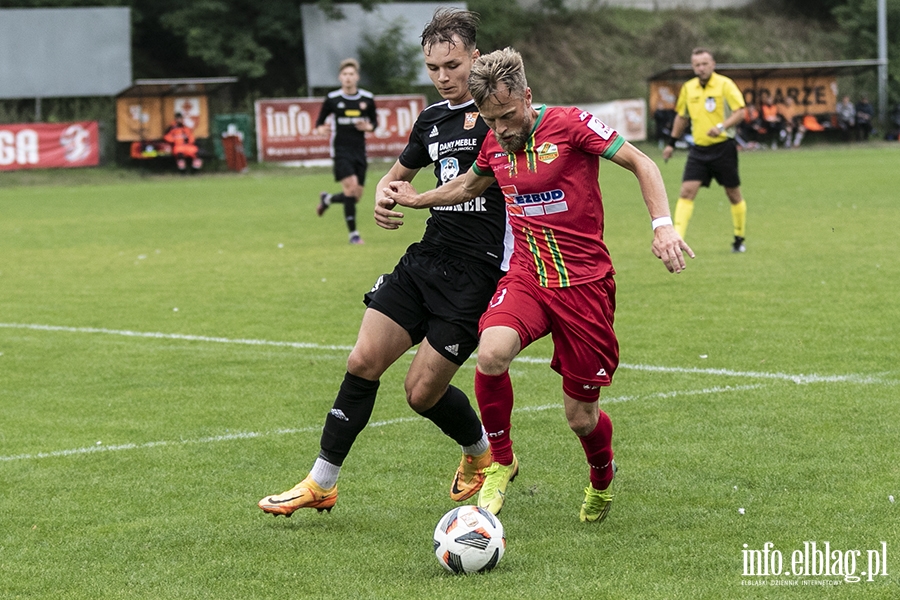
(583, 414)
(362, 364)
(420, 396)
(493, 360)
(582, 424)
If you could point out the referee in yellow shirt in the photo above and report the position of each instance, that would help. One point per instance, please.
(714, 105)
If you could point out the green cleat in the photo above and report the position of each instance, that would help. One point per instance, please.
(496, 478)
(597, 503)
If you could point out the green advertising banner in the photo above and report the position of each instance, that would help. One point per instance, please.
(239, 124)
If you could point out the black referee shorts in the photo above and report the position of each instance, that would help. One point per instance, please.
(347, 163)
(719, 162)
(438, 296)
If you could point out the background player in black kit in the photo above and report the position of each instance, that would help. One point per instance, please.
(354, 114)
(436, 293)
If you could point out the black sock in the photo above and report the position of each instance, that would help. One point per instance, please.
(455, 416)
(347, 418)
(350, 212)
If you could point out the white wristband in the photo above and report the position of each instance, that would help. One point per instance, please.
(660, 221)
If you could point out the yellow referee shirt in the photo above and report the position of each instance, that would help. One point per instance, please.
(707, 106)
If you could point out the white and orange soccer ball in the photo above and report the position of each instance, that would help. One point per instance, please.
(469, 539)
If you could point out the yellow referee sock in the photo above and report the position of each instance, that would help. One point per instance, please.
(739, 218)
(684, 208)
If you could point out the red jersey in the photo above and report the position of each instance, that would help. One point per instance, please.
(553, 196)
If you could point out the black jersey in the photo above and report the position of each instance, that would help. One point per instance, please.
(449, 137)
(347, 111)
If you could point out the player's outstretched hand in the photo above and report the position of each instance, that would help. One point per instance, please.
(403, 193)
(670, 248)
(385, 215)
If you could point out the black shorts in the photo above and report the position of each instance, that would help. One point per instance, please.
(719, 162)
(435, 295)
(350, 163)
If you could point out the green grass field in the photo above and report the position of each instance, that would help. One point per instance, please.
(169, 348)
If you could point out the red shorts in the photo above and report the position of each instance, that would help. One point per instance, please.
(580, 319)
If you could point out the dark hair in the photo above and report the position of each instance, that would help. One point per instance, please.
(702, 50)
(449, 22)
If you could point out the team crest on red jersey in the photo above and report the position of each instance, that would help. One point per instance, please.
(548, 152)
(471, 119)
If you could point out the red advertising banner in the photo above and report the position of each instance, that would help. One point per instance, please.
(284, 129)
(49, 146)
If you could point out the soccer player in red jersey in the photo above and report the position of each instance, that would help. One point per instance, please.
(560, 281)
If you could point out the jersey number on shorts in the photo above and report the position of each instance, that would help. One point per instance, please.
(498, 298)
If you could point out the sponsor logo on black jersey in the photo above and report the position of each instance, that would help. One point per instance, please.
(473, 205)
(449, 169)
(460, 145)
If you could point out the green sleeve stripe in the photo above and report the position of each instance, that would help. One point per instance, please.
(614, 147)
(480, 173)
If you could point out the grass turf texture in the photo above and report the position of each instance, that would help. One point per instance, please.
(131, 465)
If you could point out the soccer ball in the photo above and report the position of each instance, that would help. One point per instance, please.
(469, 539)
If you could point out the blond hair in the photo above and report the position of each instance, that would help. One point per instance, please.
(349, 62)
(489, 71)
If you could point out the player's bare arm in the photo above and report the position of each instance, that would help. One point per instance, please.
(667, 244)
(457, 191)
(385, 216)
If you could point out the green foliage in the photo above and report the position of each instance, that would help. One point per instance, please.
(230, 36)
(859, 19)
(815, 9)
(572, 56)
(502, 23)
(388, 64)
(631, 45)
(333, 9)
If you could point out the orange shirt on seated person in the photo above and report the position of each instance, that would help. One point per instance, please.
(182, 138)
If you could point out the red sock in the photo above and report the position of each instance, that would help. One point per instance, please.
(494, 394)
(598, 450)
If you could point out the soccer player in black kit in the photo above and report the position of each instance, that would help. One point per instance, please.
(354, 114)
(436, 293)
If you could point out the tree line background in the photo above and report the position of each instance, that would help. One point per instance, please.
(572, 56)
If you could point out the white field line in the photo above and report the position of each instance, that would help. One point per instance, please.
(245, 435)
(796, 378)
(172, 336)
